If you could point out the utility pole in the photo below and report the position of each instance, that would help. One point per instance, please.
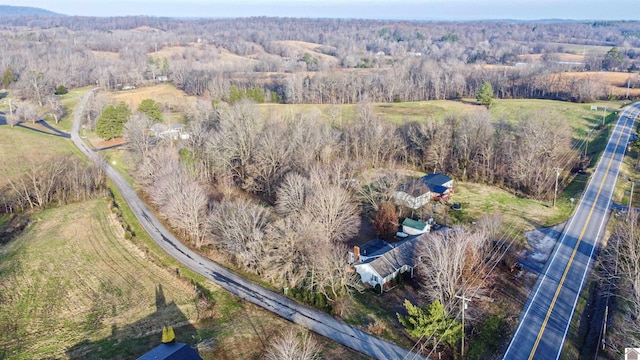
(604, 115)
(630, 198)
(586, 143)
(464, 306)
(555, 193)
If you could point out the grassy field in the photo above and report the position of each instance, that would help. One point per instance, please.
(73, 286)
(584, 49)
(578, 115)
(518, 214)
(21, 147)
(73, 272)
(166, 94)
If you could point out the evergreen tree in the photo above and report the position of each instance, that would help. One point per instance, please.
(111, 122)
(613, 59)
(8, 77)
(485, 95)
(151, 109)
(61, 90)
(431, 320)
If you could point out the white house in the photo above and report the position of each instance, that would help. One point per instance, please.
(389, 261)
(413, 195)
(417, 193)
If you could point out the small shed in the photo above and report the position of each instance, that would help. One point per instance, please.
(414, 227)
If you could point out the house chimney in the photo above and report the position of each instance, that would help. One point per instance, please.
(356, 254)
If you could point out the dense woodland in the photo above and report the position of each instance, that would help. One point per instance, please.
(351, 61)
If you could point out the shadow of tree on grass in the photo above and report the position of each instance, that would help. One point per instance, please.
(134, 340)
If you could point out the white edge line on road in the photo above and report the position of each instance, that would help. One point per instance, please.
(593, 248)
(555, 253)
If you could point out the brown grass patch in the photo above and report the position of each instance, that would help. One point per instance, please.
(106, 55)
(559, 56)
(145, 29)
(165, 94)
(301, 47)
(202, 51)
(617, 81)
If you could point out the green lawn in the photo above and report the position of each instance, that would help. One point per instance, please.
(71, 270)
(22, 147)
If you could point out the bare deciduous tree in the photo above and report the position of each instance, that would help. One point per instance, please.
(453, 263)
(292, 194)
(287, 258)
(137, 131)
(334, 209)
(330, 274)
(13, 119)
(160, 161)
(58, 179)
(379, 190)
(623, 250)
(28, 112)
(239, 228)
(292, 345)
(55, 108)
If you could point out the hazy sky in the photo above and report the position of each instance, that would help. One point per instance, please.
(373, 9)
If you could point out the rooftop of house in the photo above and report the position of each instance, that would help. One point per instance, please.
(171, 351)
(436, 179)
(374, 248)
(414, 188)
(414, 224)
(403, 254)
(428, 183)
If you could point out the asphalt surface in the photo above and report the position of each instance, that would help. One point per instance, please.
(311, 319)
(545, 319)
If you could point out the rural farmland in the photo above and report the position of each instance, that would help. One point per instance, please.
(301, 187)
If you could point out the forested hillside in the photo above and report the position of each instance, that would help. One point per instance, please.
(324, 60)
(7, 10)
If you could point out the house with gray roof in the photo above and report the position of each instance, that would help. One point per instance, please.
(389, 261)
(417, 193)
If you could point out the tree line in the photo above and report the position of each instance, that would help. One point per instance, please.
(380, 61)
(59, 180)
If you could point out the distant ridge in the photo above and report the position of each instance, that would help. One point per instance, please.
(8, 10)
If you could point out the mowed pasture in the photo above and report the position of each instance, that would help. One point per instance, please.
(73, 286)
(583, 49)
(166, 95)
(71, 277)
(23, 147)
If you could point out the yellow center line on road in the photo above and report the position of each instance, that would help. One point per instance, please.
(573, 254)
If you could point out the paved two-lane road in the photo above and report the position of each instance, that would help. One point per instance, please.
(546, 317)
(314, 320)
